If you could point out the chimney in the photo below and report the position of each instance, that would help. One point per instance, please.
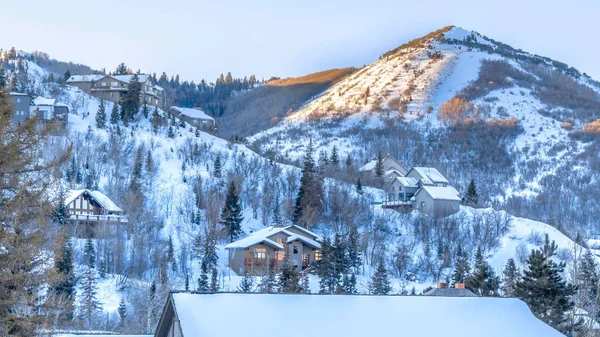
(459, 286)
(442, 285)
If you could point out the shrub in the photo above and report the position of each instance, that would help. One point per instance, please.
(455, 111)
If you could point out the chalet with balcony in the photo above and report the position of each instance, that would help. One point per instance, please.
(114, 87)
(271, 247)
(93, 212)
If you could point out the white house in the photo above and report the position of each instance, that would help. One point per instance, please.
(188, 314)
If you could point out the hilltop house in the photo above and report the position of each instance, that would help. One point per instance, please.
(93, 211)
(195, 117)
(421, 188)
(113, 87)
(45, 109)
(271, 247)
(191, 314)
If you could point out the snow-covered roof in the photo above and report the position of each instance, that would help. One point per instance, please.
(84, 78)
(101, 198)
(127, 78)
(309, 242)
(355, 316)
(192, 113)
(408, 181)
(430, 175)
(12, 93)
(368, 166)
(262, 236)
(441, 192)
(43, 101)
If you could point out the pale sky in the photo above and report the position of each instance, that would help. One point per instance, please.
(201, 39)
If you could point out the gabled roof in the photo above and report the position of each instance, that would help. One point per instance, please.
(407, 181)
(441, 192)
(13, 93)
(201, 314)
(102, 199)
(192, 113)
(84, 78)
(371, 165)
(429, 175)
(263, 235)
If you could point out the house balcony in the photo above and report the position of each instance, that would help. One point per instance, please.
(98, 218)
(400, 205)
(251, 263)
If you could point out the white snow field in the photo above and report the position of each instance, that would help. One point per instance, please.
(258, 315)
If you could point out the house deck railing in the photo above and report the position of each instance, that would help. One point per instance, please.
(396, 203)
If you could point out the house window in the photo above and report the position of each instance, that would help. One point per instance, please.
(115, 84)
(260, 253)
(317, 255)
(295, 249)
(18, 100)
(280, 255)
(103, 84)
(391, 197)
(422, 204)
(280, 241)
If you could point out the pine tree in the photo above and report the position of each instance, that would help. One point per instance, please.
(65, 287)
(483, 281)
(203, 279)
(289, 280)
(334, 160)
(305, 284)
(114, 115)
(155, 121)
(588, 282)
(349, 161)
(121, 69)
(354, 258)
(268, 282)
(359, 188)
(231, 213)
(328, 278)
(145, 110)
(131, 99)
(101, 116)
(462, 269)
(89, 254)
(246, 284)
(214, 280)
(217, 166)
(170, 132)
(122, 312)
(309, 201)
(349, 284)
(380, 282)
(544, 289)
(511, 277)
(471, 197)
(379, 169)
(277, 219)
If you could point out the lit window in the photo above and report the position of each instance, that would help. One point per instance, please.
(317, 255)
(260, 253)
(280, 255)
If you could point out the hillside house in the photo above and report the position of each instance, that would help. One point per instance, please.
(192, 314)
(443, 290)
(92, 213)
(45, 109)
(421, 188)
(271, 247)
(195, 117)
(113, 87)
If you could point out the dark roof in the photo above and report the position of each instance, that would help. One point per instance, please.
(450, 292)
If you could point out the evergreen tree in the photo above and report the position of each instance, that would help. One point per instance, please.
(328, 278)
(101, 116)
(122, 312)
(462, 269)
(231, 213)
(379, 169)
(289, 280)
(246, 284)
(217, 166)
(67, 75)
(114, 115)
(349, 284)
(309, 201)
(203, 284)
(89, 254)
(334, 160)
(471, 197)
(588, 282)
(170, 132)
(214, 280)
(277, 219)
(67, 282)
(349, 161)
(483, 281)
(121, 69)
(544, 289)
(131, 99)
(511, 277)
(2, 77)
(305, 284)
(354, 258)
(380, 282)
(268, 282)
(145, 110)
(359, 188)
(155, 121)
